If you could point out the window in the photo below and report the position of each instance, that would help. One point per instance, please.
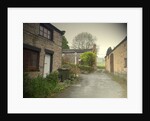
(30, 60)
(45, 32)
(125, 62)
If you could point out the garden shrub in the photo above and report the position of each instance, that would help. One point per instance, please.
(66, 65)
(36, 87)
(26, 83)
(39, 87)
(101, 67)
(85, 68)
(53, 78)
(73, 70)
(88, 58)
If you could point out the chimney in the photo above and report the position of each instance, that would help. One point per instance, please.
(94, 48)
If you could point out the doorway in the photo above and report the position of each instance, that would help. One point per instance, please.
(47, 64)
(112, 63)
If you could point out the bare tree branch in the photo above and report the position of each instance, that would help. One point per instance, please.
(83, 40)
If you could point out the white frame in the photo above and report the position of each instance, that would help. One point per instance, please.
(18, 104)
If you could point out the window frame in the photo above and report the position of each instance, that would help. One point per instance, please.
(30, 66)
(34, 50)
(46, 31)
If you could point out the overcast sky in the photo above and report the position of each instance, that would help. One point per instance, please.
(107, 34)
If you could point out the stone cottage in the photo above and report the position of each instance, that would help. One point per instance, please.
(73, 55)
(116, 60)
(42, 48)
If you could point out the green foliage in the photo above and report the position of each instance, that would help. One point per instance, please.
(101, 67)
(59, 88)
(85, 68)
(66, 65)
(36, 87)
(73, 70)
(53, 78)
(39, 87)
(88, 58)
(62, 86)
(108, 51)
(65, 43)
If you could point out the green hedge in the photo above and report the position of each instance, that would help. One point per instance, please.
(85, 68)
(52, 78)
(39, 87)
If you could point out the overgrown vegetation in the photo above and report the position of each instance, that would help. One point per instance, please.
(41, 87)
(73, 69)
(61, 86)
(117, 78)
(101, 67)
(53, 78)
(85, 69)
(88, 58)
(120, 80)
(36, 87)
(109, 50)
(65, 43)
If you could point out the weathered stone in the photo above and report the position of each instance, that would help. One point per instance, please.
(31, 37)
(119, 56)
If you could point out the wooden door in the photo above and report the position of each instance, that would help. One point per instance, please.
(111, 63)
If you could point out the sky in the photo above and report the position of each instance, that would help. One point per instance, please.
(107, 34)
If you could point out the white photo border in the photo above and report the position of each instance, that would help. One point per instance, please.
(18, 104)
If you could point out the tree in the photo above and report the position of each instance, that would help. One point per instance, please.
(108, 51)
(65, 43)
(83, 40)
(88, 58)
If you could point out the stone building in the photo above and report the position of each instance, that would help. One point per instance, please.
(73, 55)
(42, 48)
(116, 60)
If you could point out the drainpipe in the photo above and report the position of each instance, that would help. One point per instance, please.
(75, 57)
(76, 64)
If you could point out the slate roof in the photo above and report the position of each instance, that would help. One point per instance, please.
(75, 50)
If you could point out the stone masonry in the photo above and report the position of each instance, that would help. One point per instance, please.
(68, 55)
(31, 37)
(119, 59)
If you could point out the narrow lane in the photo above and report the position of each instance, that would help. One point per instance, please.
(95, 85)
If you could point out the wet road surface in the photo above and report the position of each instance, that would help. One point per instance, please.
(95, 85)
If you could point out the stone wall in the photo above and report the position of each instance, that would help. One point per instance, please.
(31, 37)
(119, 53)
(70, 57)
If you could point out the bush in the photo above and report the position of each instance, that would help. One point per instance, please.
(86, 69)
(36, 87)
(53, 78)
(66, 65)
(73, 69)
(88, 58)
(39, 87)
(101, 67)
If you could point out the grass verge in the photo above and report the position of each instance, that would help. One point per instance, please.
(120, 80)
(117, 78)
